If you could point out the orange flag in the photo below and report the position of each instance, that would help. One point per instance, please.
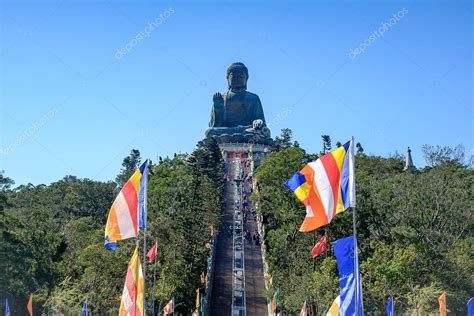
(29, 307)
(442, 304)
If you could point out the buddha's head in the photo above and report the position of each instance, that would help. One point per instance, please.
(237, 76)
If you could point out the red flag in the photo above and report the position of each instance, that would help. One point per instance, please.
(30, 305)
(320, 247)
(152, 253)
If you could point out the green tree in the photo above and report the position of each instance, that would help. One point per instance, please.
(439, 155)
(30, 249)
(284, 140)
(326, 143)
(185, 198)
(413, 233)
(129, 164)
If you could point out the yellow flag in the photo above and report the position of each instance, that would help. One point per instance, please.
(334, 310)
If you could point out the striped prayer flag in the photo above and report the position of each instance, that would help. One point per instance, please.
(334, 309)
(442, 304)
(276, 299)
(169, 308)
(128, 212)
(132, 295)
(325, 186)
(142, 194)
(84, 309)
(350, 284)
(29, 306)
(389, 308)
(198, 299)
(203, 303)
(6, 307)
(304, 312)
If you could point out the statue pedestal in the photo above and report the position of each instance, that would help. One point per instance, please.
(240, 135)
(241, 150)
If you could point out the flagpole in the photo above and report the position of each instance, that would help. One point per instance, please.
(354, 229)
(356, 274)
(144, 268)
(162, 292)
(154, 281)
(138, 279)
(154, 269)
(144, 237)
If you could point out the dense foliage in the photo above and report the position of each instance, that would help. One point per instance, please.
(52, 236)
(415, 233)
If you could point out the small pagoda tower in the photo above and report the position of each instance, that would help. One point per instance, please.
(409, 166)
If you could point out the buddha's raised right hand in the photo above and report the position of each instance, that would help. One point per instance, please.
(218, 100)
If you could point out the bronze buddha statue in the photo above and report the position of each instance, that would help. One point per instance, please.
(237, 115)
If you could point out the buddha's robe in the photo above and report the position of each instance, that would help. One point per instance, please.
(239, 109)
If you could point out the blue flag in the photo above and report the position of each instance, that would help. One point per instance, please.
(344, 250)
(142, 198)
(7, 307)
(84, 309)
(470, 307)
(146, 305)
(389, 308)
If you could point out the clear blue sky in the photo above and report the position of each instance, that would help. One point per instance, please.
(70, 106)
